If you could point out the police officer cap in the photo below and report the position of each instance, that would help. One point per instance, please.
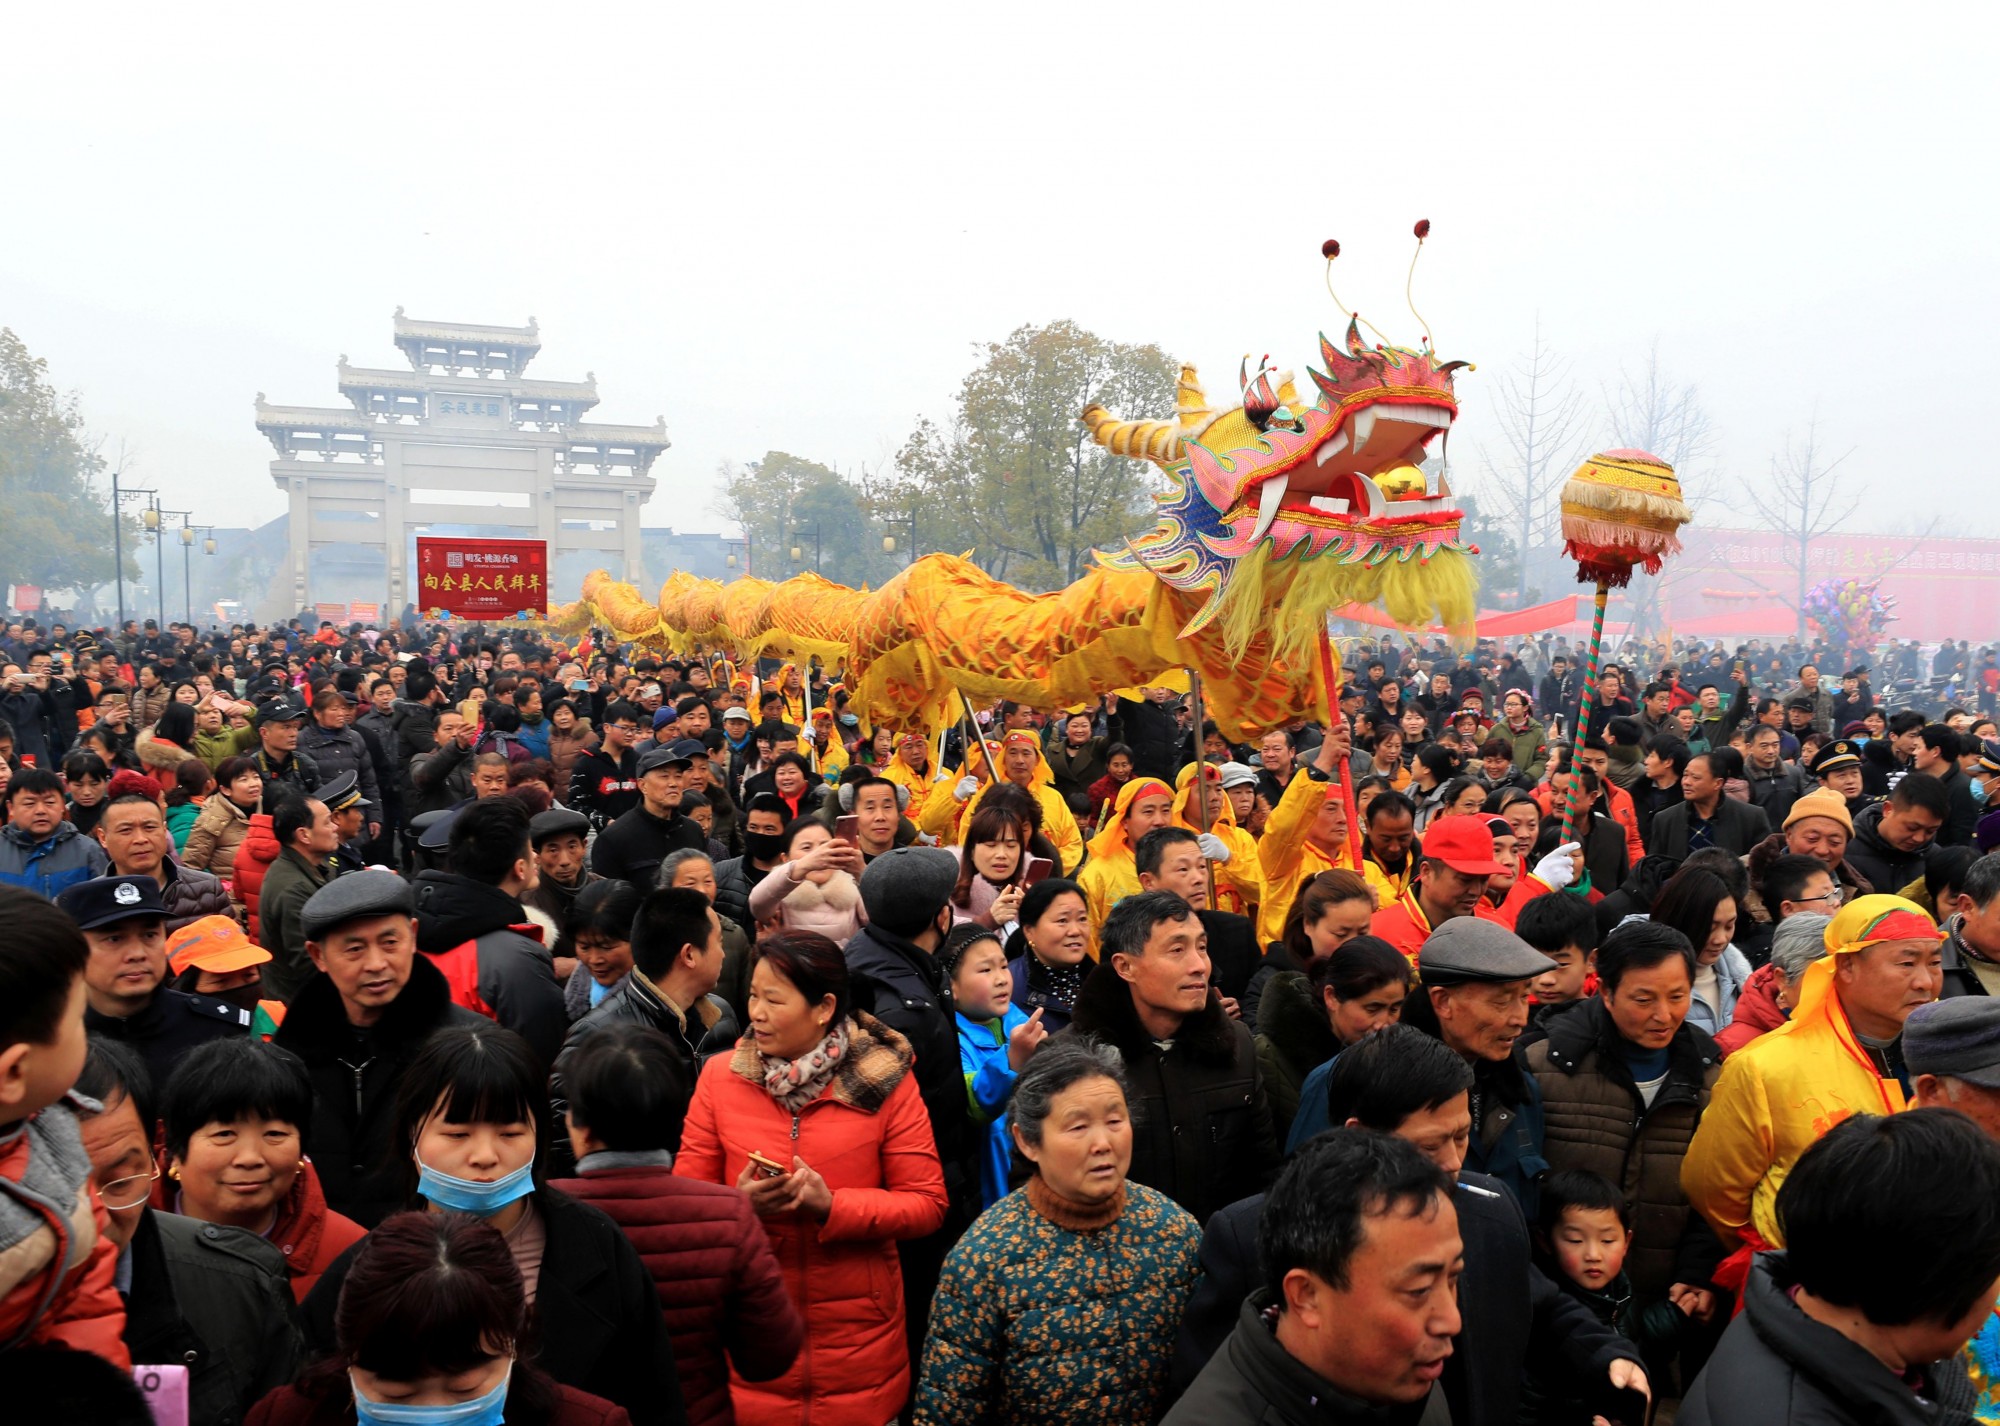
(341, 793)
(106, 899)
(352, 897)
(1835, 755)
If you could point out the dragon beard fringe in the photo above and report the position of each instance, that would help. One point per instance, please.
(1290, 599)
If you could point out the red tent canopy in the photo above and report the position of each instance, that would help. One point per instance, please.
(1491, 623)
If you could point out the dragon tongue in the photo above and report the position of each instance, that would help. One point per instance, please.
(1269, 497)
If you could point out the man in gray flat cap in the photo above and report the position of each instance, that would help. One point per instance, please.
(358, 1023)
(1474, 997)
(1951, 1049)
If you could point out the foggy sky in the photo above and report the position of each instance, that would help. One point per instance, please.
(786, 227)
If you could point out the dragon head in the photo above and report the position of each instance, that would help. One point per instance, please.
(1277, 491)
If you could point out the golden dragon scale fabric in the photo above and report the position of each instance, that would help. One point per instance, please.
(1275, 511)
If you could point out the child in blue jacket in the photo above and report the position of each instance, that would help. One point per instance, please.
(995, 1040)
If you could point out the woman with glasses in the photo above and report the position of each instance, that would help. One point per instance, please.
(196, 1294)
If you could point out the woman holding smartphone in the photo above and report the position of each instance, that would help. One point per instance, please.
(816, 1116)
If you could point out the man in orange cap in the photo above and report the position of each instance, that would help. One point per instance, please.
(827, 752)
(212, 956)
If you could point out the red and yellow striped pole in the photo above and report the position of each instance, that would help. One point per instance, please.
(1570, 799)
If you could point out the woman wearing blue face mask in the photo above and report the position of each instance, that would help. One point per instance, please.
(428, 1333)
(471, 1115)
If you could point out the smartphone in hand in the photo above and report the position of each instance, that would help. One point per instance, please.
(767, 1168)
(1038, 869)
(848, 830)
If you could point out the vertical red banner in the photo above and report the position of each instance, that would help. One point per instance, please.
(489, 580)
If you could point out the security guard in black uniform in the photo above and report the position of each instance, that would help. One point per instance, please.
(125, 980)
(342, 796)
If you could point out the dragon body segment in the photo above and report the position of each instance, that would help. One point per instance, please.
(1275, 512)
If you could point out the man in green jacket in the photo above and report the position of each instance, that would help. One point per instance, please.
(307, 839)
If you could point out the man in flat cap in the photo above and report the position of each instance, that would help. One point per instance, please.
(357, 1024)
(1474, 997)
(126, 995)
(559, 838)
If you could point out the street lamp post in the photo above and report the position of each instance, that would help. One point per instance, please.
(118, 499)
(159, 526)
(729, 560)
(796, 551)
(889, 541)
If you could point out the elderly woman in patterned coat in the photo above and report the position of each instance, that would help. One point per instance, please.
(1061, 1303)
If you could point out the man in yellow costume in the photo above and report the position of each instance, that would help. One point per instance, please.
(1305, 835)
(1239, 875)
(1112, 873)
(912, 768)
(827, 752)
(1839, 1055)
(1021, 763)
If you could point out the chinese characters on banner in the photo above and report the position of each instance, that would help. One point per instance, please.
(482, 579)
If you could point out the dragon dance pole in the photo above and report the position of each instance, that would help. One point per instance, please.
(1327, 664)
(972, 723)
(1570, 796)
(1201, 770)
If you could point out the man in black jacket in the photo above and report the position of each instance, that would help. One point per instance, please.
(1202, 1131)
(763, 849)
(604, 785)
(471, 925)
(126, 994)
(633, 847)
(1402, 1082)
(358, 1026)
(1150, 729)
(676, 963)
(896, 978)
(1938, 752)
(1171, 859)
(1863, 1315)
(1892, 839)
(1707, 816)
(1354, 1320)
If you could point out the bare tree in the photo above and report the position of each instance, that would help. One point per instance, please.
(1648, 410)
(1802, 500)
(1542, 434)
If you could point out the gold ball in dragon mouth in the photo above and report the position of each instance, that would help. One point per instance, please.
(1402, 482)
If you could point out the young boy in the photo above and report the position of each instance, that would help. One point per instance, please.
(1563, 928)
(1580, 1242)
(57, 1267)
(995, 1040)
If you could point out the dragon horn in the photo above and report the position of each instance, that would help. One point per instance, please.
(1156, 441)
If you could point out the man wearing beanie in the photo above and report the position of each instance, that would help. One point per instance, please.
(906, 892)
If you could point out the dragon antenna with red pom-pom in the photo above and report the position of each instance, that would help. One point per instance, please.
(1423, 230)
(1330, 249)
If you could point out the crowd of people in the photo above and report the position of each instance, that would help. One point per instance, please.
(447, 1025)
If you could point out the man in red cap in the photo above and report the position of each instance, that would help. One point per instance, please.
(1458, 861)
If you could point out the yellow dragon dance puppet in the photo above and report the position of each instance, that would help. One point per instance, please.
(1275, 511)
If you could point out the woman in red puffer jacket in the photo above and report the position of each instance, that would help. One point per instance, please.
(719, 1284)
(846, 1168)
(260, 848)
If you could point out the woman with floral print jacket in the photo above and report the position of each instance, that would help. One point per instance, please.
(1062, 1301)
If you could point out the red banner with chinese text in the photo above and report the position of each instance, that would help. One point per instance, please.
(482, 579)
